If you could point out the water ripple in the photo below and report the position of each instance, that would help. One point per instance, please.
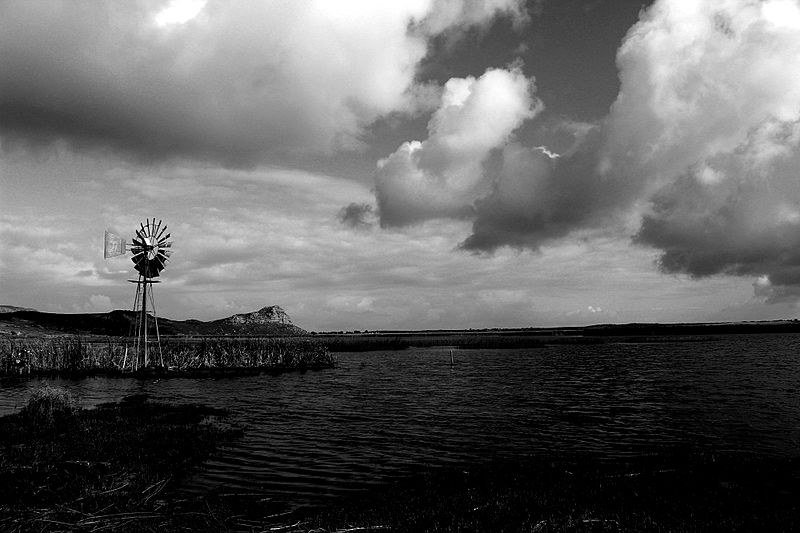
(327, 434)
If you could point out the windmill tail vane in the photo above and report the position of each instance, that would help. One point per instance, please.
(113, 245)
(150, 250)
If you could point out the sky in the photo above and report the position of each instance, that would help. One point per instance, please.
(426, 164)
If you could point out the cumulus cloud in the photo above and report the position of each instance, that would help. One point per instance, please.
(718, 132)
(231, 81)
(444, 175)
(702, 145)
(538, 195)
(708, 90)
(448, 16)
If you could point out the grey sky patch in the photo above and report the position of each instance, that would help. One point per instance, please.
(690, 142)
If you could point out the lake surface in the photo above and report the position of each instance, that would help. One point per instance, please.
(315, 437)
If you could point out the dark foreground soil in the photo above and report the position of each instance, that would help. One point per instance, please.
(116, 468)
(107, 468)
(677, 494)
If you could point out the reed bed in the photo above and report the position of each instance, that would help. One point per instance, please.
(77, 355)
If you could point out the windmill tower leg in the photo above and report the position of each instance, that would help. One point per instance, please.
(155, 321)
(143, 362)
(137, 327)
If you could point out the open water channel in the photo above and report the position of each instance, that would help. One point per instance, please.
(310, 438)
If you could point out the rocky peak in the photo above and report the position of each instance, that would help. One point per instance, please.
(272, 314)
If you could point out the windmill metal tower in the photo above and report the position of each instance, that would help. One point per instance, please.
(150, 253)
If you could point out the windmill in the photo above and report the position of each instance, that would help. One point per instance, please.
(150, 253)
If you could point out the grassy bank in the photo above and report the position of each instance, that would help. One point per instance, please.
(77, 355)
(64, 468)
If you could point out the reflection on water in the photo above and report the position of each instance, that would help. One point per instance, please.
(381, 414)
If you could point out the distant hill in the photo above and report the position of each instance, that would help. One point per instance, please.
(270, 320)
(13, 309)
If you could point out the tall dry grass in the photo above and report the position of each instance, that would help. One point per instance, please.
(77, 355)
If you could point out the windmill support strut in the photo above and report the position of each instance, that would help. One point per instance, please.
(150, 250)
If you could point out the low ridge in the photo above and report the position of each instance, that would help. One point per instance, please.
(270, 320)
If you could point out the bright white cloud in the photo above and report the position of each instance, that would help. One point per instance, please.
(444, 175)
(703, 141)
(709, 115)
(230, 81)
(179, 12)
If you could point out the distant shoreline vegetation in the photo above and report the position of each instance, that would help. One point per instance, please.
(521, 338)
(78, 355)
(201, 355)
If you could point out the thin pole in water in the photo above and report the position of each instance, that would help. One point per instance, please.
(452, 361)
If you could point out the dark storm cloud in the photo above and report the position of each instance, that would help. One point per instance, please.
(706, 229)
(356, 215)
(239, 81)
(539, 196)
(702, 234)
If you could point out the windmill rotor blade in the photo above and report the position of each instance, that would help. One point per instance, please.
(149, 248)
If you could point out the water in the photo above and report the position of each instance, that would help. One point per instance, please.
(313, 437)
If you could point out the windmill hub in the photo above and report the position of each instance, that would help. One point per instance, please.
(151, 248)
